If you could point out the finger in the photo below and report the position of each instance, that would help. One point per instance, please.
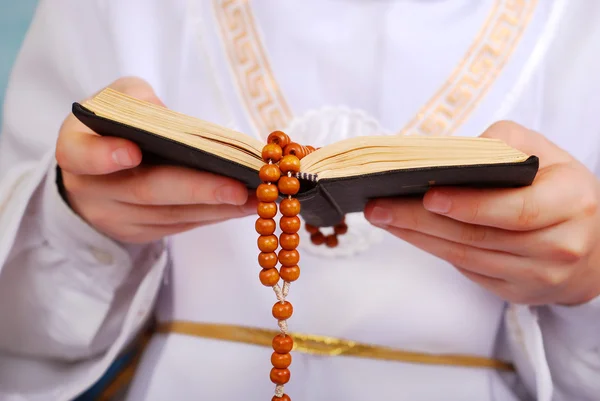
(141, 234)
(528, 142)
(183, 214)
(162, 185)
(518, 209)
(80, 151)
(487, 263)
(411, 215)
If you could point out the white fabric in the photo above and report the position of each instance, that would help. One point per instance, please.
(70, 299)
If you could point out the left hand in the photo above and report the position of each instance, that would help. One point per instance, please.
(533, 245)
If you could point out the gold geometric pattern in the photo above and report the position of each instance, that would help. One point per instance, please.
(443, 114)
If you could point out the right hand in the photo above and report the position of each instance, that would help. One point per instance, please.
(132, 203)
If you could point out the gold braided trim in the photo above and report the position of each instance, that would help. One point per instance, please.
(325, 346)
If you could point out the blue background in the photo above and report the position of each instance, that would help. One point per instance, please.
(15, 16)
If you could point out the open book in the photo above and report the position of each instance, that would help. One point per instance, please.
(336, 179)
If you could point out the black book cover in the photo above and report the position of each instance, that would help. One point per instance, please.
(326, 201)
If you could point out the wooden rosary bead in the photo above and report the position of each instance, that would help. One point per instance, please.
(280, 376)
(267, 210)
(284, 397)
(288, 258)
(267, 192)
(278, 138)
(340, 229)
(317, 238)
(311, 229)
(265, 226)
(283, 344)
(269, 277)
(272, 152)
(282, 310)
(269, 173)
(288, 185)
(289, 273)
(281, 361)
(331, 240)
(267, 243)
(289, 225)
(267, 260)
(290, 207)
(294, 149)
(289, 163)
(289, 241)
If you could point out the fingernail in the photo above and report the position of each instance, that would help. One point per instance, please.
(438, 203)
(229, 195)
(122, 158)
(380, 215)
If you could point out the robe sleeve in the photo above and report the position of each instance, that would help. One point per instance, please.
(70, 298)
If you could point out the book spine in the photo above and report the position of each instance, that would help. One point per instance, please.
(307, 177)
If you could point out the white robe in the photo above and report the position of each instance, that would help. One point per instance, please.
(68, 294)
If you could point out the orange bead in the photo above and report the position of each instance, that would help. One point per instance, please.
(281, 361)
(269, 277)
(341, 228)
(282, 310)
(288, 185)
(267, 260)
(272, 152)
(289, 225)
(331, 240)
(267, 192)
(265, 226)
(279, 138)
(269, 173)
(288, 258)
(311, 229)
(289, 273)
(267, 210)
(294, 149)
(282, 344)
(280, 376)
(267, 243)
(289, 163)
(290, 207)
(284, 397)
(289, 241)
(317, 238)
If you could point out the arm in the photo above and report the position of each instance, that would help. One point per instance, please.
(65, 289)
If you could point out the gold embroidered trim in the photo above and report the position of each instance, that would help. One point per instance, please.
(443, 114)
(325, 346)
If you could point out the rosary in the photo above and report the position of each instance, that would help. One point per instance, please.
(279, 176)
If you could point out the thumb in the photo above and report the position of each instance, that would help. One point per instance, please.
(138, 88)
(527, 141)
(79, 150)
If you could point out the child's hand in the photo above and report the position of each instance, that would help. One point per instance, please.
(535, 245)
(108, 188)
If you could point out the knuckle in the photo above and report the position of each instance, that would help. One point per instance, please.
(172, 214)
(473, 234)
(588, 203)
(474, 211)
(142, 192)
(571, 249)
(551, 277)
(528, 212)
(456, 254)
